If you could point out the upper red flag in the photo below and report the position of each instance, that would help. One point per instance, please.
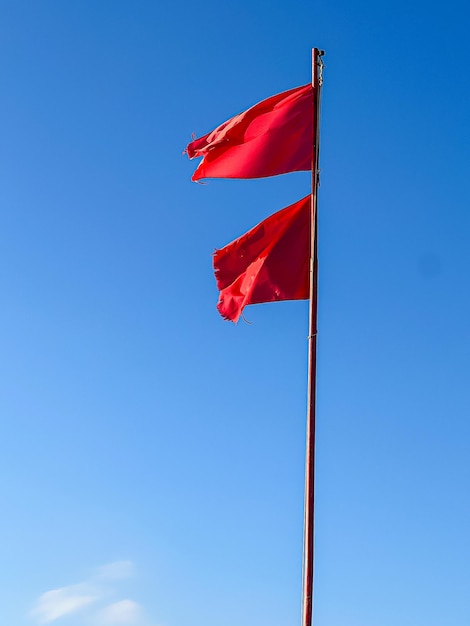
(267, 264)
(273, 137)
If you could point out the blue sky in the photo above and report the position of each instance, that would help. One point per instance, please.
(151, 453)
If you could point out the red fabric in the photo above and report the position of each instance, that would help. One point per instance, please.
(267, 264)
(273, 137)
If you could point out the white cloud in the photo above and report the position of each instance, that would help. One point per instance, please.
(118, 570)
(60, 602)
(123, 612)
(96, 599)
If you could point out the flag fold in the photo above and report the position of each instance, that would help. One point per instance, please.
(267, 264)
(273, 137)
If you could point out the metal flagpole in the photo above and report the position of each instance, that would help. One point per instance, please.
(309, 505)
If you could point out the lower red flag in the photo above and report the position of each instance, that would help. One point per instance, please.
(268, 264)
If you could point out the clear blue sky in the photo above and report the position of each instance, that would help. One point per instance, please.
(151, 453)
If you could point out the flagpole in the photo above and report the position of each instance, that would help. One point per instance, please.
(309, 505)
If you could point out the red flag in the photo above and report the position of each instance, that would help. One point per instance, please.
(273, 137)
(267, 264)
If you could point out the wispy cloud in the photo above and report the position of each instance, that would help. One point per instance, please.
(123, 612)
(60, 602)
(119, 570)
(91, 599)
